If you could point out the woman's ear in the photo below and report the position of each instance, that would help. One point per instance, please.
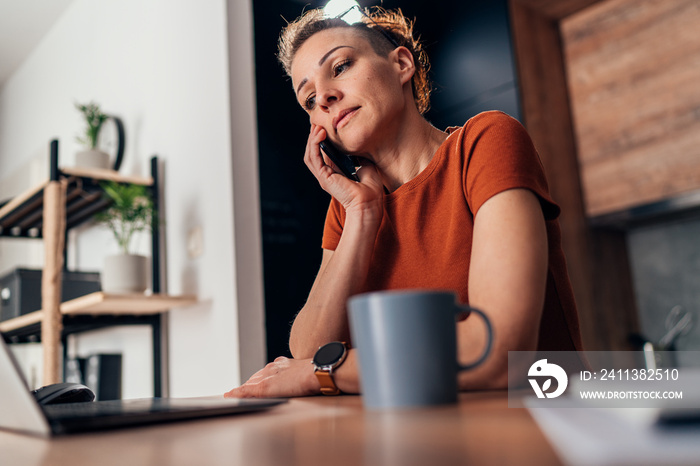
(403, 59)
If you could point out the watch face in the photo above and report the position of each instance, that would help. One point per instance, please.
(329, 354)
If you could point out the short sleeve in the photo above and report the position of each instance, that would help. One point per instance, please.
(501, 156)
(333, 227)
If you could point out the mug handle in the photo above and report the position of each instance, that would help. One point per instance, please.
(489, 332)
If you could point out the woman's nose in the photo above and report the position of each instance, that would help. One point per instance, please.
(327, 97)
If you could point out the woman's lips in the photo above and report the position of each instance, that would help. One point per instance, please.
(343, 117)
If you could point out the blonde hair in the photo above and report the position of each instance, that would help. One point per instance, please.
(393, 23)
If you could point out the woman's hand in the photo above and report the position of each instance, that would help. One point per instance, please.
(367, 194)
(282, 378)
(343, 271)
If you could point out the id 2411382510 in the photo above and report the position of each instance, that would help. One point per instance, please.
(630, 374)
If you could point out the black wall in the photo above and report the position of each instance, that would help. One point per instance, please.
(469, 46)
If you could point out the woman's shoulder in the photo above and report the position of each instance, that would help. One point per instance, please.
(488, 128)
(486, 119)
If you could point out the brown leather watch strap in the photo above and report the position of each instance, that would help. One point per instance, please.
(328, 386)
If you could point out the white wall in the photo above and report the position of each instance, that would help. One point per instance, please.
(163, 67)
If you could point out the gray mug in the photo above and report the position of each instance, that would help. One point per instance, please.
(407, 346)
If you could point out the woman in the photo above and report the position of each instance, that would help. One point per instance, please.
(466, 209)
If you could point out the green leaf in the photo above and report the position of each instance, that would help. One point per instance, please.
(131, 211)
(94, 119)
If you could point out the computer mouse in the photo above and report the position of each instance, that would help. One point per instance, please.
(66, 392)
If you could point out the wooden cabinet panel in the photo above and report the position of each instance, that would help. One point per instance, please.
(596, 259)
(633, 70)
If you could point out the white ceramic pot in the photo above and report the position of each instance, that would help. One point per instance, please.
(125, 273)
(92, 158)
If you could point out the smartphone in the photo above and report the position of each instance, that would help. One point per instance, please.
(343, 161)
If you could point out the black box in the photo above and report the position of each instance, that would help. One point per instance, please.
(20, 290)
(103, 374)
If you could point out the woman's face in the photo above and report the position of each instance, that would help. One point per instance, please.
(349, 90)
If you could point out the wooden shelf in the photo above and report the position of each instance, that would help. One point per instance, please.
(102, 174)
(101, 303)
(68, 198)
(22, 217)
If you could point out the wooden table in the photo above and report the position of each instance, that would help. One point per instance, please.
(328, 431)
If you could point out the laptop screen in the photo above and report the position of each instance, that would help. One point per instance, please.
(19, 411)
(18, 408)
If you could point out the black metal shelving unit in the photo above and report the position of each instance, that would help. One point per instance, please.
(22, 217)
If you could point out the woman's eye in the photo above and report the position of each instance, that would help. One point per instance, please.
(341, 67)
(310, 102)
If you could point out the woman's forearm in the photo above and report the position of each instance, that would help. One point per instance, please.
(324, 317)
(507, 281)
(347, 377)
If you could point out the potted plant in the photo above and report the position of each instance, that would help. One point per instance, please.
(131, 211)
(91, 157)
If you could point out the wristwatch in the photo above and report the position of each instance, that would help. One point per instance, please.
(328, 358)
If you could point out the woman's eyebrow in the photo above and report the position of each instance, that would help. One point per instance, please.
(328, 54)
(320, 62)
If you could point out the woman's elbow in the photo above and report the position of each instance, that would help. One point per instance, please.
(300, 348)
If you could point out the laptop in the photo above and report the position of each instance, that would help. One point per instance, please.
(20, 412)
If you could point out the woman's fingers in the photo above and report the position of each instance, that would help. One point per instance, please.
(348, 192)
(369, 175)
(312, 156)
(317, 162)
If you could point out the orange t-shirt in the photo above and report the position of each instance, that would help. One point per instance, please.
(425, 238)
